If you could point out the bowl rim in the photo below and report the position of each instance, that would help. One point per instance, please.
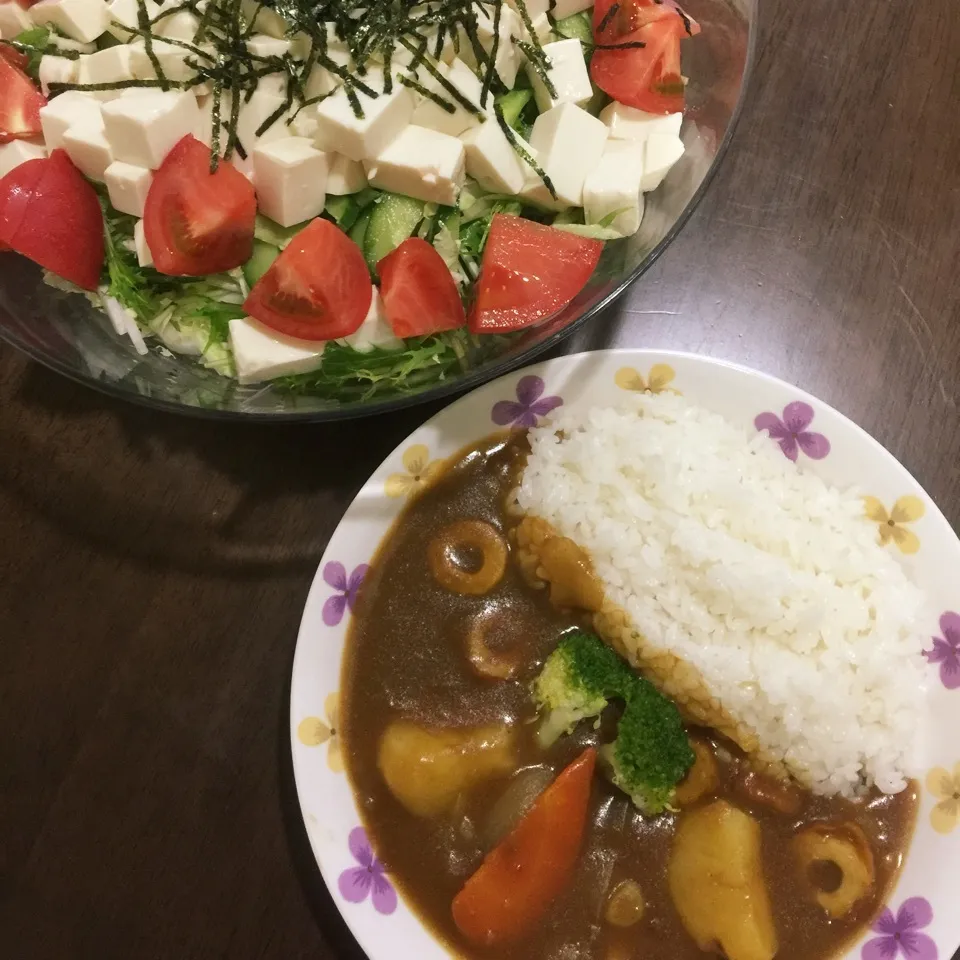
(461, 384)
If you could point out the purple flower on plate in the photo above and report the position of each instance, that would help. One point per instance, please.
(900, 935)
(529, 406)
(946, 650)
(791, 432)
(346, 596)
(368, 879)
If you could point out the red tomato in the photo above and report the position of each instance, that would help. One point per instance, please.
(518, 880)
(647, 77)
(317, 289)
(14, 56)
(51, 214)
(197, 222)
(528, 272)
(20, 103)
(419, 294)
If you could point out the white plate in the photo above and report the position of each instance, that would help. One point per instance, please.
(922, 920)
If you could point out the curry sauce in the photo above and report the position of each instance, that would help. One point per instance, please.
(410, 657)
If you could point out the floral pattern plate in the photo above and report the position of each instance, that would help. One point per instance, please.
(921, 921)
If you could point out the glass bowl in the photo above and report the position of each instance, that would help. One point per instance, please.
(63, 332)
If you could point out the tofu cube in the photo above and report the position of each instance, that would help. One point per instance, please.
(179, 25)
(144, 128)
(662, 151)
(265, 20)
(256, 111)
(430, 114)
(542, 30)
(491, 159)
(128, 186)
(260, 353)
(375, 331)
(569, 143)
(290, 176)
(70, 107)
(629, 123)
(144, 256)
(106, 66)
(535, 8)
(304, 123)
(362, 138)
(567, 71)
(82, 20)
(15, 152)
(567, 8)
(13, 19)
(344, 176)
(173, 60)
(56, 70)
(422, 164)
(509, 58)
(263, 45)
(614, 187)
(88, 148)
(124, 16)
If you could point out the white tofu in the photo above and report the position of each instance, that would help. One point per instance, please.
(254, 113)
(569, 143)
(375, 331)
(290, 177)
(267, 21)
(15, 152)
(172, 59)
(263, 354)
(320, 82)
(362, 138)
(491, 159)
(144, 256)
(344, 176)
(106, 66)
(13, 19)
(567, 72)
(629, 123)
(614, 186)
(144, 128)
(567, 8)
(204, 133)
(304, 123)
(82, 20)
(181, 25)
(56, 70)
(71, 106)
(535, 8)
(509, 58)
(431, 115)
(662, 151)
(422, 164)
(542, 29)
(128, 186)
(263, 45)
(88, 148)
(124, 16)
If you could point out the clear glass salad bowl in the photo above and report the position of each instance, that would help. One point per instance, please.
(66, 334)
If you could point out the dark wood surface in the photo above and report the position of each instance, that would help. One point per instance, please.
(153, 569)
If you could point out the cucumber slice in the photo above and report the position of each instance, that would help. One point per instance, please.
(576, 27)
(394, 218)
(511, 105)
(260, 260)
(359, 230)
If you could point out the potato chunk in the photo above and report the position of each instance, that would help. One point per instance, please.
(716, 881)
(427, 770)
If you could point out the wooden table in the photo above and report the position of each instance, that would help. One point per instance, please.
(153, 569)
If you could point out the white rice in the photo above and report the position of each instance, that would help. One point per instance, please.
(766, 579)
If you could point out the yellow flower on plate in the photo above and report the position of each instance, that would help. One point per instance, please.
(313, 732)
(658, 380)
(891, 525)
(946, 788)
(421, 471)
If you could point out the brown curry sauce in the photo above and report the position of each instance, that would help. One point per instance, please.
(406, 659)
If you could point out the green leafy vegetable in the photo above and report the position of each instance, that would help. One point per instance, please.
(576, 27)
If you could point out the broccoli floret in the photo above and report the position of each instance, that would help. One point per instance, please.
(652, 753)
(577, 681)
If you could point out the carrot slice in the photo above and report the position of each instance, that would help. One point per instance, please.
(518, 880)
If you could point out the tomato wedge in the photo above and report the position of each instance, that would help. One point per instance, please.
(419, 294)
(20, 103)
(646, 77)
(317, 289)
(14, 56)
(51, 214)
(518, 880)
(528, 272)
(197, 222)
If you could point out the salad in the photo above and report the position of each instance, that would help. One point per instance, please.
(349, 198)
